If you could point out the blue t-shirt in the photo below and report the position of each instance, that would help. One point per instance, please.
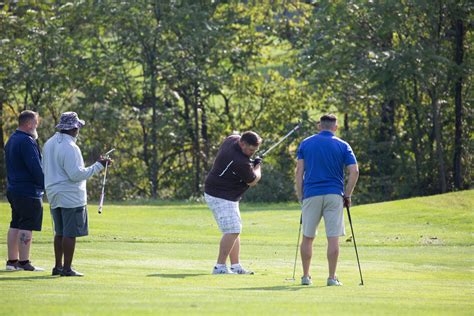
(24, 170)
(325, 157)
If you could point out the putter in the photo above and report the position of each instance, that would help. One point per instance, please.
(297, 127)
(355, 245)
(102, 195)
(296, 252)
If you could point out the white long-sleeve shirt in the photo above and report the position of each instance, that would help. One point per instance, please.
(64, 172)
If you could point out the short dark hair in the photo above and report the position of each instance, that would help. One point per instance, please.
(251, 138)
(26, 116)
(328, 118)
(327, 121)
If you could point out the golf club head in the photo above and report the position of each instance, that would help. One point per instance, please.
(290, 279)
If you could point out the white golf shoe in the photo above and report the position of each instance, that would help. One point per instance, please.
(334, 282)
(306, 280)
(221, 270)
(238, 269)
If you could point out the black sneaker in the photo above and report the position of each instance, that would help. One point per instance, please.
(28, 267)
(56, 271)
(12, 265)
(71, 273)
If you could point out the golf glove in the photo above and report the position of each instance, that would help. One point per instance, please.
(103, 161)
(257, 160)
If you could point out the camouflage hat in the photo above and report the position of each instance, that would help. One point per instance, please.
(70, 120)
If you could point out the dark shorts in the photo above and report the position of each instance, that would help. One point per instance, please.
(70, 222)
(27, 212)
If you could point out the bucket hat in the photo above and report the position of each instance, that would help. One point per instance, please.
(70, 120)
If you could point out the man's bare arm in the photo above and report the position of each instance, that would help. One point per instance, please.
(299, 172)
(258, 173)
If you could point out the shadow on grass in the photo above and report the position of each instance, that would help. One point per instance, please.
(277, 288)
(12, 276)
(176, 275)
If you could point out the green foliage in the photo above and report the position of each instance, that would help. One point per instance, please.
(164, 82)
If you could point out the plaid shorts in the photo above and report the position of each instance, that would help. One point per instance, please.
(226, 213)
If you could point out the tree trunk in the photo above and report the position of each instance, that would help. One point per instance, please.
(346, 122)
(417, 135)
(386, 130)
(196, 143)
(385, 148)
(3, 173)
(459, 54)
(154, 148)
(435, 108)
(205, 137)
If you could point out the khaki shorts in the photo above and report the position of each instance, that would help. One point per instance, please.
(329, 206)
(226, 213)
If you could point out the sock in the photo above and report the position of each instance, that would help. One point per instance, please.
(220, 265)
(12, 261)
(235, 266)
(23, 262)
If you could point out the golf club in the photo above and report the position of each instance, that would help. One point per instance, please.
(296, 253)
(355, 245)
(102, 195)
(281, 140)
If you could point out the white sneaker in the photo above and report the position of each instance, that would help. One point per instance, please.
(240, 270)
(221, 270)
(334, 282)
(306, 280)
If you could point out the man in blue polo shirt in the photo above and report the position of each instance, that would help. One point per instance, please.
(319, 184)
(25, 188)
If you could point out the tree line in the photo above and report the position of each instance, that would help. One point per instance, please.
(164, 82)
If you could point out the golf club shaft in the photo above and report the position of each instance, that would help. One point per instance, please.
(355, 245)
(102, 195)
(281, 140)
(108, 153)
(297, 244)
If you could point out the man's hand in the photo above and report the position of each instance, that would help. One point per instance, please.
(257, 161)
(104, 161)
(347, 201)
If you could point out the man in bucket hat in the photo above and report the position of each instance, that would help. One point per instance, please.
(65, 183)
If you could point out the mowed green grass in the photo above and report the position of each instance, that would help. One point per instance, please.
(417, 257)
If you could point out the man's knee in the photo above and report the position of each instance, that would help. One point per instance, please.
(232, 235)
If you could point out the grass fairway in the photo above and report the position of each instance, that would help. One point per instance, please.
(417, 257)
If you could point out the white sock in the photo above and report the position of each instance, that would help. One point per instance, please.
(235, 266)
(220, 265)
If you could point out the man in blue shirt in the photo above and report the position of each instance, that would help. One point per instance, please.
(25, 188)
(319, 184)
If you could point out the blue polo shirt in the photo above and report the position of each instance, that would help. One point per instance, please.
(24, 170)
(325, 157)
